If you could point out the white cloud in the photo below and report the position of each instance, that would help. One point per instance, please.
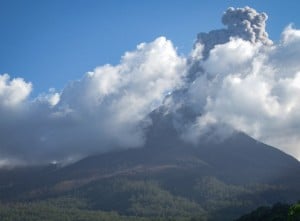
(253, 89)
(232, 56)
(290, 35)
(119, 98)
(13, 91)
(106, 109)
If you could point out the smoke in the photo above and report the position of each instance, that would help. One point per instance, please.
(252, 87)
(244, 23)
(235, 78)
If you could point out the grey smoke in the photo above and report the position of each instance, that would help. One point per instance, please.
(245, 23)
(239, 78)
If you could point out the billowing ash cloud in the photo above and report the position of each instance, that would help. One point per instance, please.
(250, 87)
(234, 79)
(244, 23)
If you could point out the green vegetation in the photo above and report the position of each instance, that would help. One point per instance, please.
(112, 199)
(132, 198)
(278, 212)
(140, 198)
(294, 212)
(74, 209)
(60, 209)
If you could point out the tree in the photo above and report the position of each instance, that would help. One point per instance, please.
(294, 212)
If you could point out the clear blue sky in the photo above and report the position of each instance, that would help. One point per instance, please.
(50, 42)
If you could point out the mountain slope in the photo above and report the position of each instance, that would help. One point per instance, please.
(210, 180)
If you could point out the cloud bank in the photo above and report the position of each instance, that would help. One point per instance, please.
(251, 87)
(107, 109)
(235, 78)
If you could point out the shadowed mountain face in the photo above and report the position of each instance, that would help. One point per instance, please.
(237, 159)
(216, 180)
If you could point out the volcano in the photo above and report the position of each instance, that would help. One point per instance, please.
(167, 177)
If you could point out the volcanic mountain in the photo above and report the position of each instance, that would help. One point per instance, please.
(167, 177)
(218, 175)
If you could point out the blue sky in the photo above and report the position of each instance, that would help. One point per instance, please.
(52, 42)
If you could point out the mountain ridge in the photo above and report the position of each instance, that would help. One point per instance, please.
(229, 178)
